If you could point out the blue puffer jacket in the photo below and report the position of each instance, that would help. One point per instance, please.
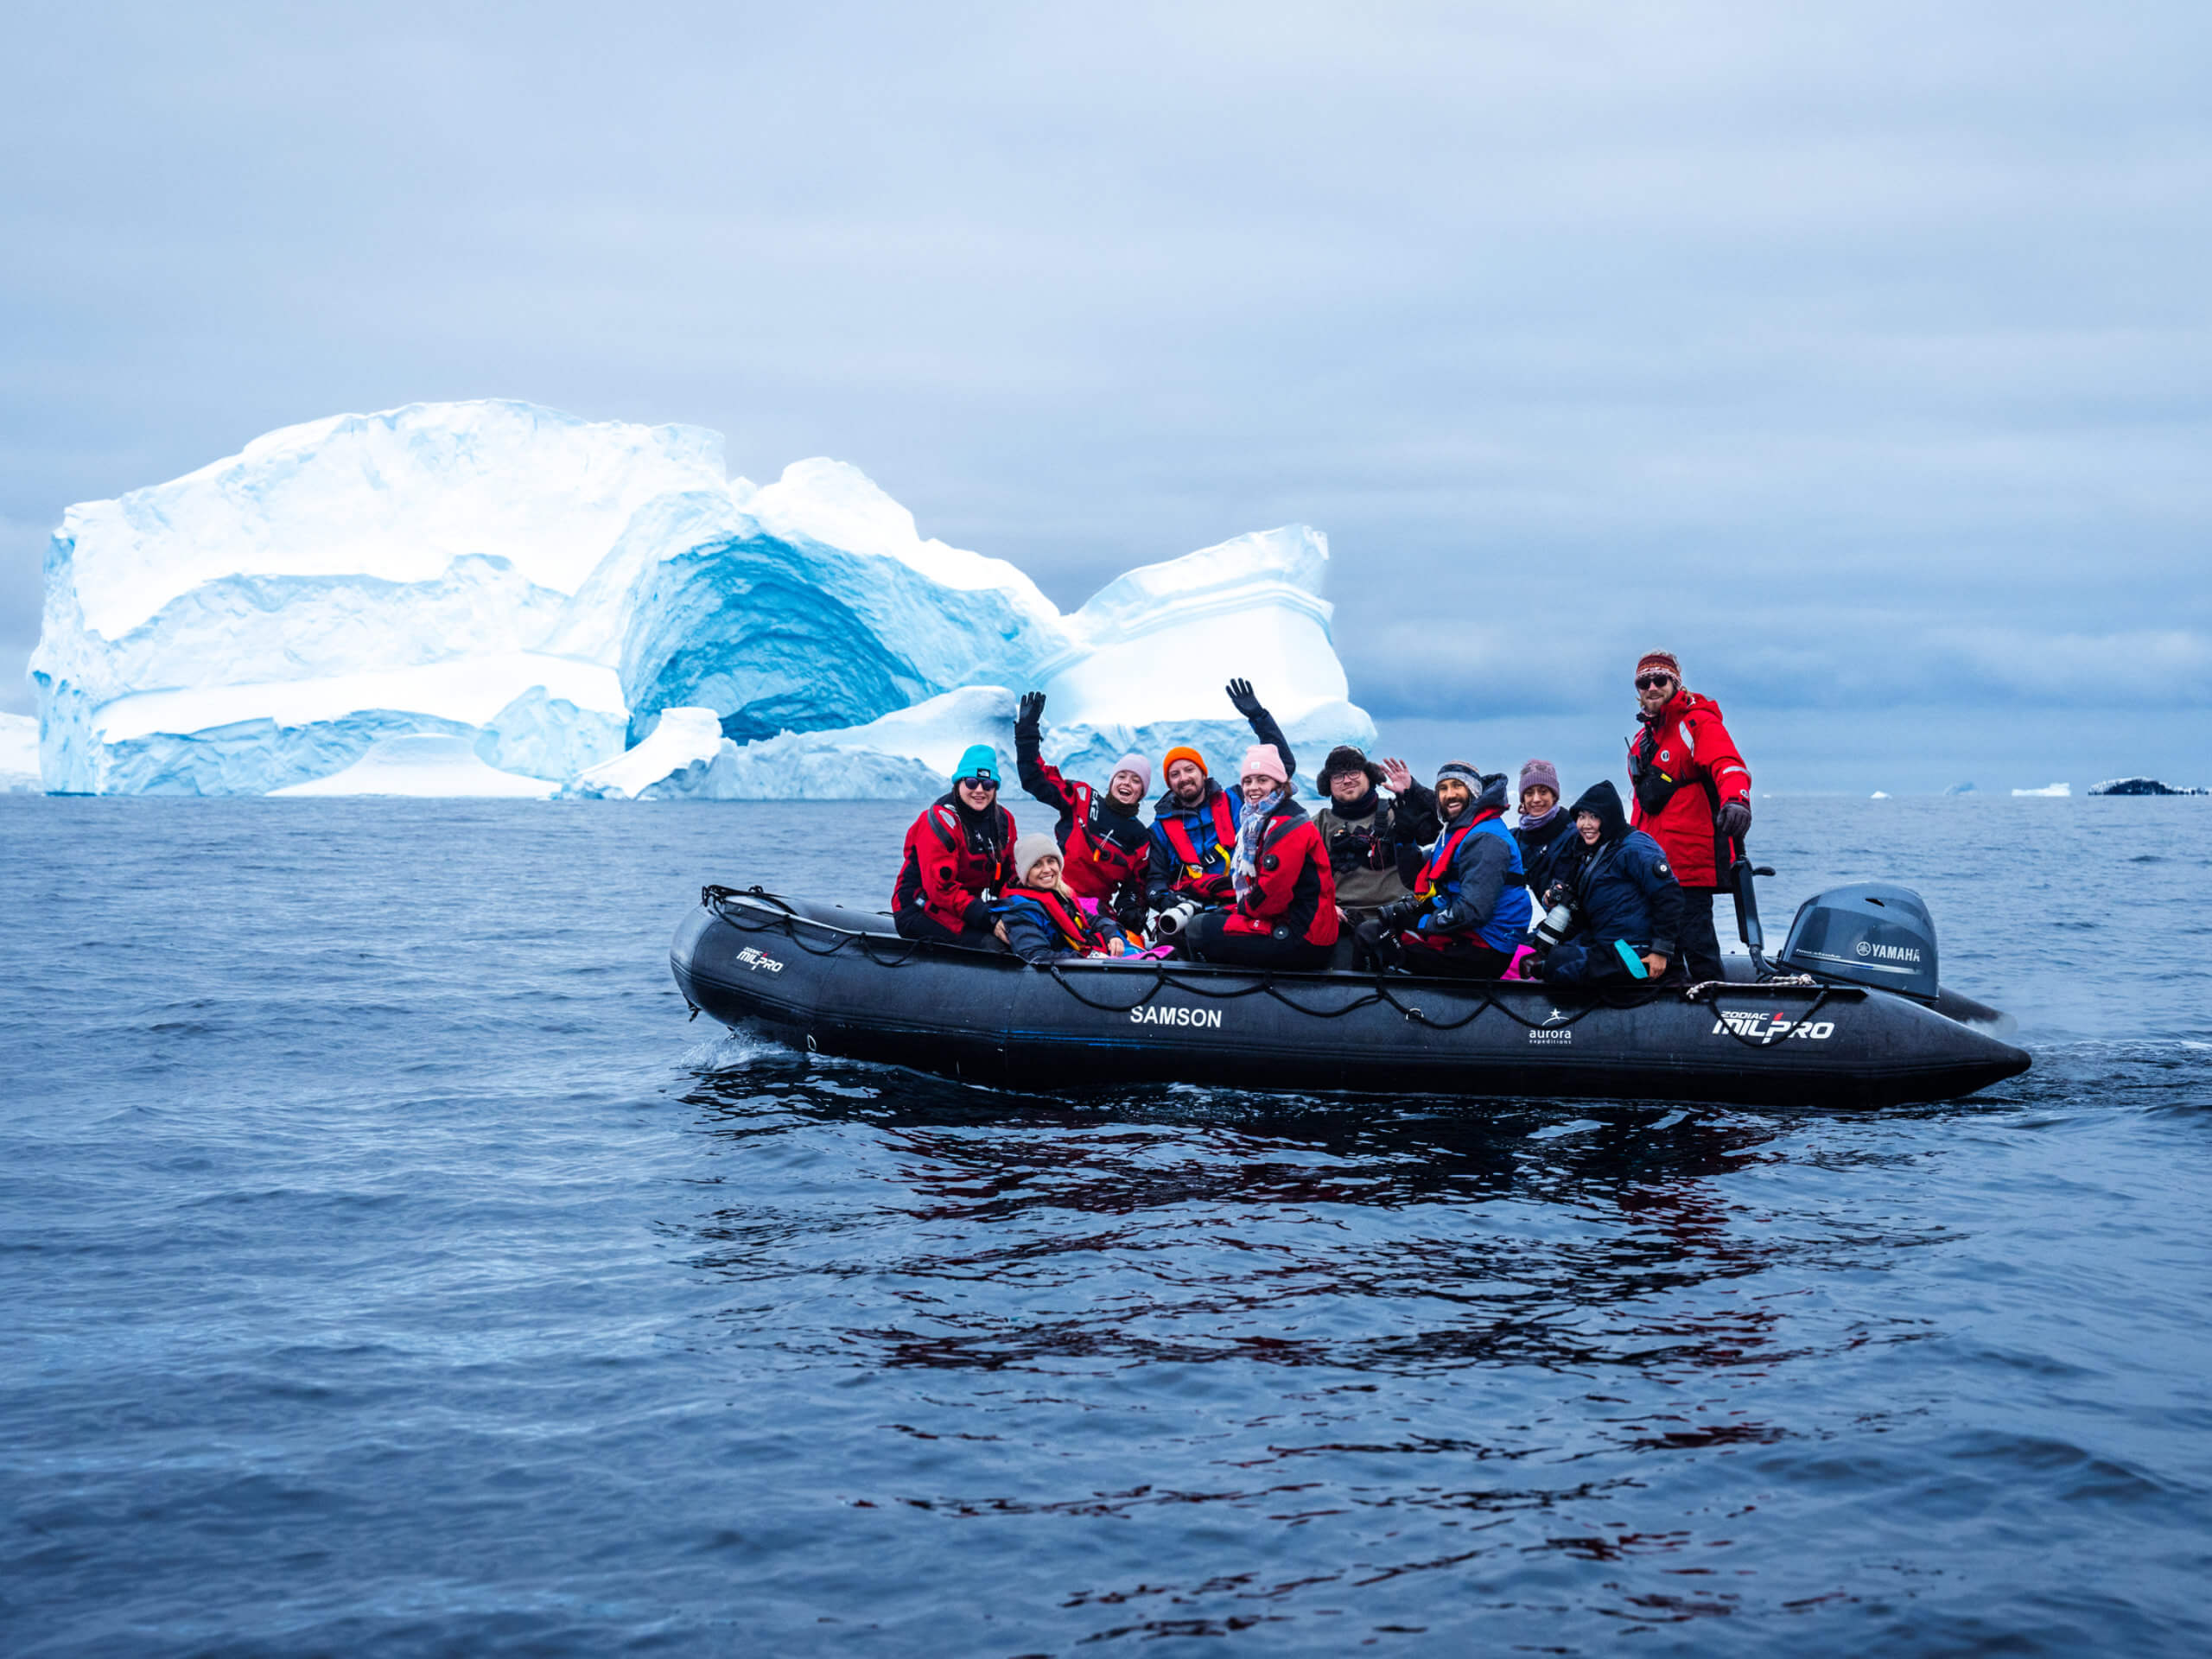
(1624, 885)
(1479, 894)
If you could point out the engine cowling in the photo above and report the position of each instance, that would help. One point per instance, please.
(1870, 933)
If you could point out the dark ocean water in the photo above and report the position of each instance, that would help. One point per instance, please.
(386, 1265)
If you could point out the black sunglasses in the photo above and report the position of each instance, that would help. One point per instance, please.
(980, 783)
(1650, 682)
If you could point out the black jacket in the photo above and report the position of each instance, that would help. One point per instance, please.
(1624, 887)
(1543, 852)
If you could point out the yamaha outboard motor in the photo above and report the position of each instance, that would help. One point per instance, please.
(1869, 934)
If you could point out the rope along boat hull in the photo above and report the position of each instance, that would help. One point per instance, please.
(837, 982)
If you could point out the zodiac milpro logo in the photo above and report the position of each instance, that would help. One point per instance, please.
(1769, 1025)
(1151, 1015)
(759, 959)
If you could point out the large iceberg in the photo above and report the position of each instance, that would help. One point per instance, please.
(263, 621)
(551, 603)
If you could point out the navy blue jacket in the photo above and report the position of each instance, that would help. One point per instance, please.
(1481, 895)
(1624, 887)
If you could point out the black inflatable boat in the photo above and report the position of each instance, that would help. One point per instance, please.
(1851, 1015)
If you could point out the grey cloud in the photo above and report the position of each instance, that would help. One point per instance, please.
(1862, 353)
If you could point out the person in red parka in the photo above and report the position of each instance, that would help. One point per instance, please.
(1285, 913)
(1692, 797)
(959, 849)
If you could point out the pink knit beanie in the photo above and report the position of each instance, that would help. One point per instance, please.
(1261, 761)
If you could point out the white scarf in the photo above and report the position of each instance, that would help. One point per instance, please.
(1245, 866)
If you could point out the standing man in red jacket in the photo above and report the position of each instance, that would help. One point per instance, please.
(1692, 797)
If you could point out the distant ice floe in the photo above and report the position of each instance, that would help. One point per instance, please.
(1880, 794)
(554, 594)
(2056, 792)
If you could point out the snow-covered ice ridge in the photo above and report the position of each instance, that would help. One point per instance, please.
(567, 605)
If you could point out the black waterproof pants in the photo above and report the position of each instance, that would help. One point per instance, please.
(1585, 960)
(1381, 950)
(920, 925)
(1699, 946)
(1207, 940)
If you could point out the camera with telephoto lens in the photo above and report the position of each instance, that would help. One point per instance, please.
(1172, 921)
(1560, 920)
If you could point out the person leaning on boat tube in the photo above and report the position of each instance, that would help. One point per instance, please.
(1285, 912)
(1106, 849)
(959, 849)
(1374, 845)
(1044, 919)
(1693, 796)
(1194, 825)
(1626, 906)
(1468, 911)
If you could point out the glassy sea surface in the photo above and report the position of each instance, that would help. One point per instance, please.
(387, 1265)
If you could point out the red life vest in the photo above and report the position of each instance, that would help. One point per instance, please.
(1179, 837)
(1077, 931)
(1431, 877)
(1098, 867)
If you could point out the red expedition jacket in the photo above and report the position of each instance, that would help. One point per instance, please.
(1106, 851)
(950, 865)
(1294, 887)
(1682, 767)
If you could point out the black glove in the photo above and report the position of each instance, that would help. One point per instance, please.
(1401, 915)
(1240, 695)
(1032, 712)
(1733, 819)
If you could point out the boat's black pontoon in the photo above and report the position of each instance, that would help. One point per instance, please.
(1868, 1026)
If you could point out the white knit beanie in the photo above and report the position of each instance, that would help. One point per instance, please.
(1028, 850)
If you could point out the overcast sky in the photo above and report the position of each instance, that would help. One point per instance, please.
(1864, 353)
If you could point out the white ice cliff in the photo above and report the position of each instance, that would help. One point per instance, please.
(531, 592)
